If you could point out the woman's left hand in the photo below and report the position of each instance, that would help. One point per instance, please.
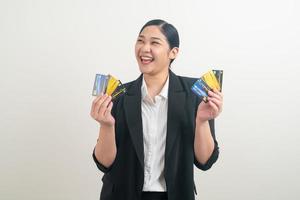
(212, 108)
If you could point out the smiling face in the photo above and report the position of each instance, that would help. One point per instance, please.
(153, 52)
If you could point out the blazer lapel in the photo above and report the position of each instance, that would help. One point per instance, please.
(176, 102)
(133, 114)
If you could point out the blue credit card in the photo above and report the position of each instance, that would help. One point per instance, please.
(100, 84)
(200, 88)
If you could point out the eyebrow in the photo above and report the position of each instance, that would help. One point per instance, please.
(155, 38)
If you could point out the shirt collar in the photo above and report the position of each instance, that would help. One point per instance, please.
(163, 93)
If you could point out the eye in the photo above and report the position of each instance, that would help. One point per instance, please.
(139, 40)
(156, 43)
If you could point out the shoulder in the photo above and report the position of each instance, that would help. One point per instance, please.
(186, 82)
(129, 84)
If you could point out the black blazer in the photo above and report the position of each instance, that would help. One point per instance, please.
(124, 179)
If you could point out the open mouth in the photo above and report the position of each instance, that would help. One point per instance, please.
(146, 59)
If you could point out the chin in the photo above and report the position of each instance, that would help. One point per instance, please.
(146, 69)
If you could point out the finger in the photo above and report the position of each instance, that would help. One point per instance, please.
(216, 95)
(219, 93)
(108, 110)
(95, 102)
(94, 105)
(217, 102)
(213, 106)
(98, 97)
(99, 103)
(104, 105)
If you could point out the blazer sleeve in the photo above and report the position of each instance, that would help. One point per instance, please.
(215, 154)
(99, 165)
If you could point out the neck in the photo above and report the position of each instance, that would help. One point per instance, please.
(156, 82)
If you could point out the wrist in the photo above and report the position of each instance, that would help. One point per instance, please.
(107, 127)
(201, 122)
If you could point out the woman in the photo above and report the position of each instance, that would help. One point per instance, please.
(151, 137)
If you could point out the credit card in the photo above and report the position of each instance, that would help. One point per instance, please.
(100, 84)
(201, 89)
(219, 76)
(107, 84)
(210, 79)
(118, 92)
(112, 85)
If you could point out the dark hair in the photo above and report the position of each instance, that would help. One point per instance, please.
(169, 31)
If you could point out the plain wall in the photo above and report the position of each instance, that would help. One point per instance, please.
(51, 50)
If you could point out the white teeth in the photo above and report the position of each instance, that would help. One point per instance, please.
(146, 58)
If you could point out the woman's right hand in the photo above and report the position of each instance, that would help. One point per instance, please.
(101, 110)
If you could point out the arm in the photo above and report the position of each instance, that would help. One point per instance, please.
(105, 150)
(205, 145)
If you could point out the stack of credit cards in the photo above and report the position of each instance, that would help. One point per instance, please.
(209, 81)
(107, 84)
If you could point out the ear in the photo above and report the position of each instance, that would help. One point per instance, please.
(173, 53)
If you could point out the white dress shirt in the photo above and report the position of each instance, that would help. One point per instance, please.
(154, 117)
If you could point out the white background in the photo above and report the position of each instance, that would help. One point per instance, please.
(50, 52)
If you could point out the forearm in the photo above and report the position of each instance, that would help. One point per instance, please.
(106, 150)
(203, 142)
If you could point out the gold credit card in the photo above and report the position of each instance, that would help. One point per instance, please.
(112, 84)
(211, 80)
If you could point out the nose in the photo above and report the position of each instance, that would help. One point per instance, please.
(146, 47)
